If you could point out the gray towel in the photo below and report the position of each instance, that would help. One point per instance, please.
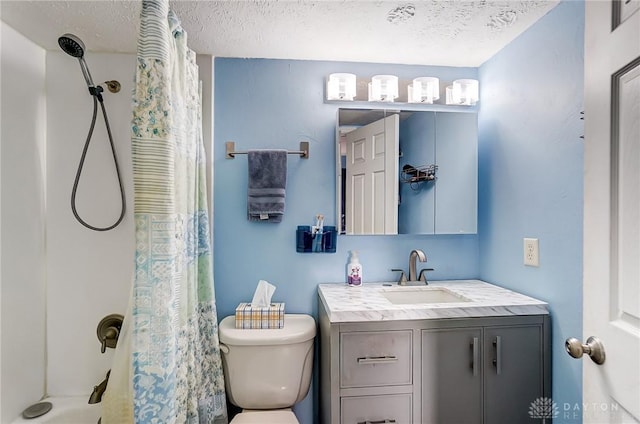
(267, 183)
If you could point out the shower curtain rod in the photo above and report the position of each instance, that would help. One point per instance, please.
(303, 152)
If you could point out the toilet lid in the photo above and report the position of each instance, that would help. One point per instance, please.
(265, 417)
(297, 328)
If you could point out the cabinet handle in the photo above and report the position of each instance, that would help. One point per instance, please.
(476, 352)
(377, 360)
(497, 362)
(392, 421)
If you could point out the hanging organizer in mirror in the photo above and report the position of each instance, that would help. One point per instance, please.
(418, 174)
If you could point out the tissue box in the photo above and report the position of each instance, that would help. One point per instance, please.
(266, 317)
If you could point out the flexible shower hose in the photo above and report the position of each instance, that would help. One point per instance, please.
(97, 97)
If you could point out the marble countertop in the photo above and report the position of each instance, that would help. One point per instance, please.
(344, 303)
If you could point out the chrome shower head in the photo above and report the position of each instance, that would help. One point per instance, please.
(71, 45)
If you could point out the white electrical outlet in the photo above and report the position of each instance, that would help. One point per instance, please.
(531, 253)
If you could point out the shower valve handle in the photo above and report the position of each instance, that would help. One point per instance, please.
(109, 331)
(109, 338)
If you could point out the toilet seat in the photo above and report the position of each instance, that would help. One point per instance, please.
(266, 417)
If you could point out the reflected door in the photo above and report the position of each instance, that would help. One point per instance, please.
(371, 201)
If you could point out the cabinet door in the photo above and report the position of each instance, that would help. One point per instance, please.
(513, 373)
(456, 206)
(452, 376)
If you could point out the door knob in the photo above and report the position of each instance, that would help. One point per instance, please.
(594, 348)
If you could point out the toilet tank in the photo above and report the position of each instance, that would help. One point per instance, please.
(268, 368)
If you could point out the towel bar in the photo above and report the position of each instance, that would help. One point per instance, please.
(303, 152)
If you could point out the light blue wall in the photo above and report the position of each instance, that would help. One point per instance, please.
(276, 104)
(530, 177)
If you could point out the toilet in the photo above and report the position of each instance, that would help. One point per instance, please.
(267, 371)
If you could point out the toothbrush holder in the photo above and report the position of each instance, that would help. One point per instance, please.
(320, 242)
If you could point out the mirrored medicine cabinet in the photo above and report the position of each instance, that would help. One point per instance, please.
(406, 171)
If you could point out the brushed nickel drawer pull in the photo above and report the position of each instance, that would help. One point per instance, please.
(377, 360)
(475, 358)
(497, 362)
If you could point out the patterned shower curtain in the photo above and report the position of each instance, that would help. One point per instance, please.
(167, 366)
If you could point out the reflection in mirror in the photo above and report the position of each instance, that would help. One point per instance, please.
(371, 175)
(406, 172)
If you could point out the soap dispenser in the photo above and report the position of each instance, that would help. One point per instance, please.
(354, 270)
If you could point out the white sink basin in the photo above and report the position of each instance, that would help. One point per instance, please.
(422, 295)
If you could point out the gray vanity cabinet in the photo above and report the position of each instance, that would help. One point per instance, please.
(484, 370)
(490, 374)
(513, 371)
(451, 376)
(367, 372)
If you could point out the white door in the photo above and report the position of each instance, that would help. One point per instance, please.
(611, 391)
(371, 201)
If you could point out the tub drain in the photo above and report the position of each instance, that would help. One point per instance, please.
(37, 410)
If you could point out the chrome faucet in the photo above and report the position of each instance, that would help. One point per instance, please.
(98, 391)
(416, 253)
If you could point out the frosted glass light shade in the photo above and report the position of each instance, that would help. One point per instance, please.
(449, 94)
(341, 86)
(424, 90)
(383, 88)
(465, 92)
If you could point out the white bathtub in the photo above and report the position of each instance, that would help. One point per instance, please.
(67, 410)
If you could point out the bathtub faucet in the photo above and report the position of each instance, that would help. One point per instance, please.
(98, 391)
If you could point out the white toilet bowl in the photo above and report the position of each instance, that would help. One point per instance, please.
(267, 371)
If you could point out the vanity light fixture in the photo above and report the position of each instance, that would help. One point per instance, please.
(465, 92)
(424, 90)
(383, 88)
(341, 86)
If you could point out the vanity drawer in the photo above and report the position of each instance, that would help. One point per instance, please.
(376, 409)
(375, 358)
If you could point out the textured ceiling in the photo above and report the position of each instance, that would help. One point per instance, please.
(425, 32)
